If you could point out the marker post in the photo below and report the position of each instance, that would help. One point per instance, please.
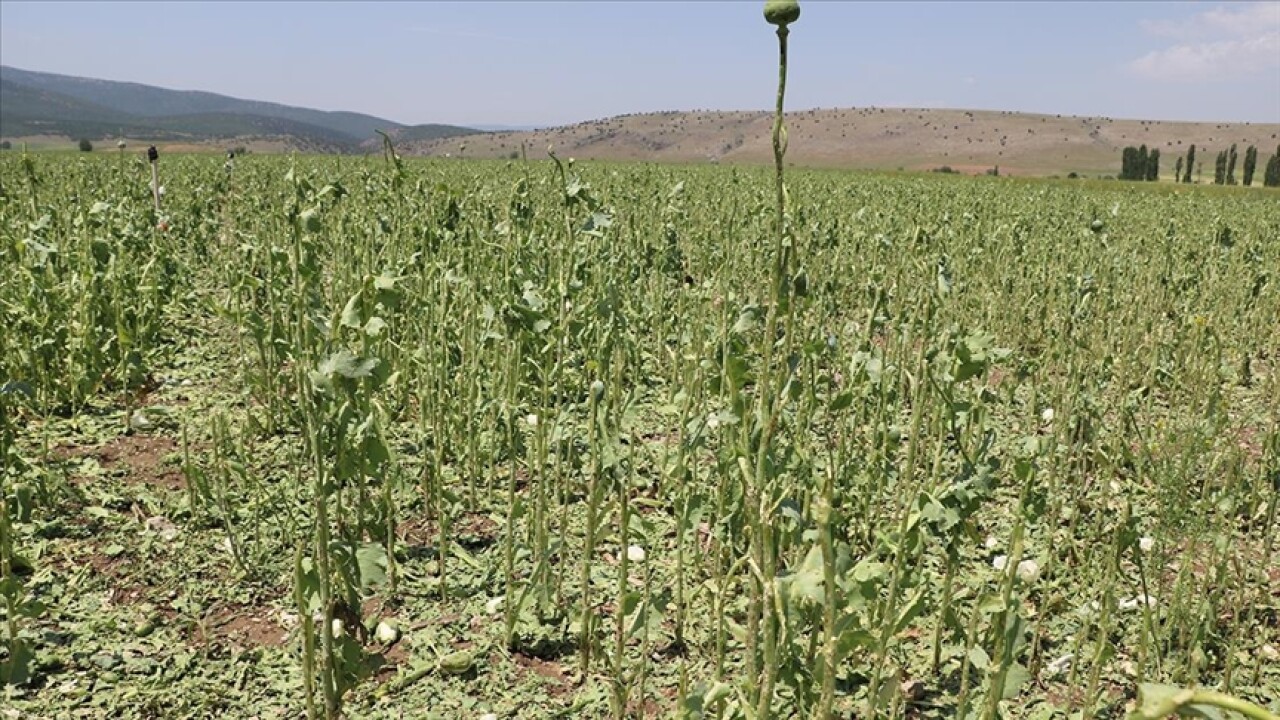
(153, 156)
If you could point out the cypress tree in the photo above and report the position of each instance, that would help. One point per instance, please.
(1250, 164)
(1140, 164)
(1126, 162)
(1220, 169)
(1271, 178)
(1151, 172)
(1177, 170)
(1191, 163)
(1231, 165)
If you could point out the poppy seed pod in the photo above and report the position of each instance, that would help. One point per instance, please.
(781, 12)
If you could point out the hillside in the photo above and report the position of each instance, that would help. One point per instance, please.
(59, 108)
(419, 133)
(915, 139)
(47, 104)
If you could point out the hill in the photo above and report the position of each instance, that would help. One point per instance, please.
(37, 103)
(973, 141)
(420, 133)
(915, 139)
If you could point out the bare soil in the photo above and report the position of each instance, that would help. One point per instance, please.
(142, 457)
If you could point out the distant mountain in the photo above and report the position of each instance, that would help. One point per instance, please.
(421, 133)
(37, 103)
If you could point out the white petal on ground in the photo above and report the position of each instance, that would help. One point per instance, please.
(493, 606)
(387, 632)
(1060, 665)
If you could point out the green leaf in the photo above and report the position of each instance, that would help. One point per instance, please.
(371, 558)
(1015, 677)
(990, 603)
(910, 611)
(351, 313)
(806, 586)
(979, 658)
(346, 364)
(310, 220)
(1156, 701)
(840, 402)
(852, 638)
(16, 669)
(869, 570)
(353, 664)
(374, 327)
(308, 581)
(718, 692)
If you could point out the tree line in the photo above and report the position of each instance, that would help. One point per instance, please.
(1139, 163)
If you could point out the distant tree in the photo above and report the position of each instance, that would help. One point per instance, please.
(86, 146)
(1129, 163)
(1191, 162)
(5, 145)
(1152, 171)
(1250, 164)
(1231, 165)
(1140, 168)
(1220, 169)
(1177, 170)
(1271, 177)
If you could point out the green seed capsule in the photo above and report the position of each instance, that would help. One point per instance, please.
(457, 663)
(781, 12)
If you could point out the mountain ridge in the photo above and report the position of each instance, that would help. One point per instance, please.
(51, 105)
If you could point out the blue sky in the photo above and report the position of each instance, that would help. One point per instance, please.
(537, 63)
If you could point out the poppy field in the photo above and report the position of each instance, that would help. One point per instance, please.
(464, 439)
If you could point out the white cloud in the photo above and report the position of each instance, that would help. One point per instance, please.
(1238, 20)
(1223, 42)
(1253, 18)
(1211, 60)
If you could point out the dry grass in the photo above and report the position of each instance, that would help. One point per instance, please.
(911, 139)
